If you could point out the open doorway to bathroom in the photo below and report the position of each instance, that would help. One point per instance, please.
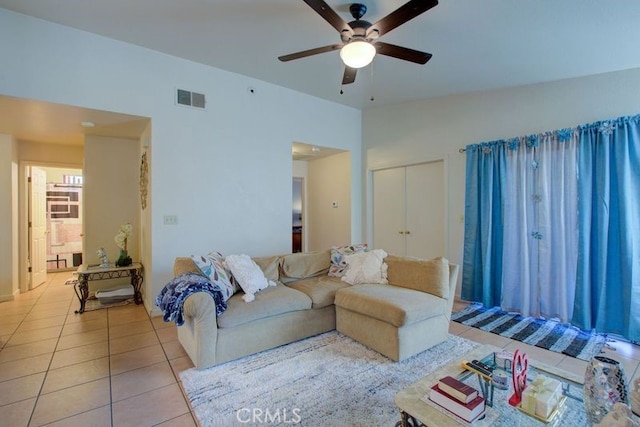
(64, 216)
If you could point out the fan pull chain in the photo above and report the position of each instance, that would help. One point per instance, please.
(341, 68)
(372, 85)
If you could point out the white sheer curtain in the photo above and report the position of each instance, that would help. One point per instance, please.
(540, 226)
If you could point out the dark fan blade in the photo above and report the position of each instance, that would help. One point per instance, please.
(349, 75)
(402, 53)
(329, 15)
(305, 53)
(401, 15)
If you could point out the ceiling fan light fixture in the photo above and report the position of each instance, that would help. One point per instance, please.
(357, 54)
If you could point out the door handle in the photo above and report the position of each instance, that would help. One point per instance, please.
(407, 232)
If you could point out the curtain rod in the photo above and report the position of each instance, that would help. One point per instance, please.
(462, 150)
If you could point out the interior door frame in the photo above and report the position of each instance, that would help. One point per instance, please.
(23, 215)
(38, 230)
(398, 164)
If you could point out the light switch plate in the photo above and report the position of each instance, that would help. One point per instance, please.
(171, 220)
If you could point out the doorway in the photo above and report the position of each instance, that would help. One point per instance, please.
(64, 215)
(51, 220)
(297, 227)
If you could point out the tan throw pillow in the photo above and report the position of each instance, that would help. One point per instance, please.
(305, 264)
(270, 266)
(185, 265)
(430, 276)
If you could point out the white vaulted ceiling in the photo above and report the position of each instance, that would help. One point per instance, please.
(476, 44)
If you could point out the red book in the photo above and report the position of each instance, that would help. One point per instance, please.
(468, 412)
(457, 389)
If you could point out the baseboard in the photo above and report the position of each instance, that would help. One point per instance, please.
(10, 297)
(6, 297)
(155, 312)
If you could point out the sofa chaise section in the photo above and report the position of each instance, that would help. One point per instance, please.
(405, 317)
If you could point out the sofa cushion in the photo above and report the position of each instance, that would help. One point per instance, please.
(269, 302)
(391, 304)
(304, 264)
(430, 276)
(270, 266)
(366, 267)
(322, 290)
(338, 264)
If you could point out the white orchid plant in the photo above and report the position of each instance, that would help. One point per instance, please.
(123, 235)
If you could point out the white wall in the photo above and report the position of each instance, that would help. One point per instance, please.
(111, 196)
(419, 131)
(225, 171)
(8, 217)
(299, 168)
(328, 181)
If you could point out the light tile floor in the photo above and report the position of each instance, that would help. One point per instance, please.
(118, 367)
(110, 367)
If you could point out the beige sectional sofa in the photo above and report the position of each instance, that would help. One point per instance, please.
(399, 319)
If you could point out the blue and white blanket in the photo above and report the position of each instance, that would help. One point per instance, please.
(172, 297)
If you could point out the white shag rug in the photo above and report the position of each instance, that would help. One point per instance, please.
(328, 380)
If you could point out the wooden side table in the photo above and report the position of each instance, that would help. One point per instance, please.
(87, 273)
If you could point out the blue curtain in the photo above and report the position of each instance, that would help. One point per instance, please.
(482, 264)
(608, 271)
(607, 220)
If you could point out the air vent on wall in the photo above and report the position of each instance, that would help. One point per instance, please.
(191, 99)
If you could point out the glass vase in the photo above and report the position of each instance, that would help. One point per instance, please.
(604, 385)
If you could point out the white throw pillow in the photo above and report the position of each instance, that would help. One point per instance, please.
(367, 267)
(249, 276)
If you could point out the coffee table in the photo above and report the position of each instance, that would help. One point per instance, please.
(415, 412)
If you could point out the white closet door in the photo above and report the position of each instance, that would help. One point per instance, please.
(389, 210)
(425, 204)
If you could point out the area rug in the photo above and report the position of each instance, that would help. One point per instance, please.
(548, 334)
(328, 380)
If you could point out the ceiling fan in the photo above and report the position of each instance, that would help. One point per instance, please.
(360, 38)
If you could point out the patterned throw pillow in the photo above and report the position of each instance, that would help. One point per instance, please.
(338, 265)
(212, 266)
(366, 267)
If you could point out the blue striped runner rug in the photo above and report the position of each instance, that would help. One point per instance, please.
(548, 334)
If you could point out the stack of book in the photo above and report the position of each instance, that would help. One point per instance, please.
(459, 398)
